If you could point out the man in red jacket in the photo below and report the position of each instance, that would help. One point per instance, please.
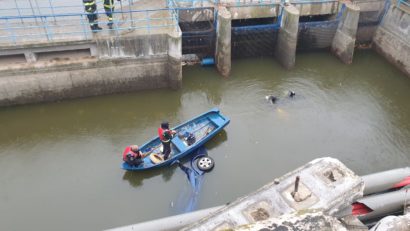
(165, 135)
(132, 155)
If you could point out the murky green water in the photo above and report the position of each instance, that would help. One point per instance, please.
(60, 162)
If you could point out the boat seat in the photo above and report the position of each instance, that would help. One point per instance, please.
(217, 120)
(178, 143)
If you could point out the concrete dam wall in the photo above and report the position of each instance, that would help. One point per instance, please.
(120, 64)
(392, 38)
(134, 61)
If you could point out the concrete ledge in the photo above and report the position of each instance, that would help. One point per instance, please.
(392, 38)
(102, 77)
(247, 12)
(393, 48)
(318, 8)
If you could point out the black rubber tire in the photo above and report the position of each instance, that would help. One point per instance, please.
(205, 163)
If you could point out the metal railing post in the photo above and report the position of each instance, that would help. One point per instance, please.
(52, 10)
(32, 11)
(83, 25)
(13, 36)
(148, 22)
(45, 26)
(18, 10)
(130, 11)
(39, 11)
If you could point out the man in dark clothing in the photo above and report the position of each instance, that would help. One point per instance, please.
(90, 7)
(109, 9)
(165, 135)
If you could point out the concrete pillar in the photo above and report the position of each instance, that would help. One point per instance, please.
(31, 57)
(345, 37)
(223, 42)
(175, 59)
(288, 37)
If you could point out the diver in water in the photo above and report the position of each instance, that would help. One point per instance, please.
(271, 98)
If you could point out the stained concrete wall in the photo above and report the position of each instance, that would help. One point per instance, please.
(288, 36)
(318, 8)
(246, 12)
(392, 38)
(132, 46)
(371, 13)
(122, 65)
(223, 42)
(81, 80)
(345, 38)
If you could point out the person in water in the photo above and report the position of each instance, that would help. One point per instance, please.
(133, 155)
(165, 135)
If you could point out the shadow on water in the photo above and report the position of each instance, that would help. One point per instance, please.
(136, 178)
(217, 140)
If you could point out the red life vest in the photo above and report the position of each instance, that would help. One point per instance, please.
(129, 151)
(162, 134)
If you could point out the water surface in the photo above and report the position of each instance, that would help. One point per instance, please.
(60, 162)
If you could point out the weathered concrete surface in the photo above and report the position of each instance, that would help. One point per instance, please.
(132, 47)
(371, 12)
(288, 36)
(175, 60)
(393, 223)
(327, 184)
(345, 38)
(81, 79)
(392, 38)
(317, 8)
(247, 12)
(223, 42)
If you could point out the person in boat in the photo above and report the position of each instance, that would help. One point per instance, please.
(133, 155)
(165, 135)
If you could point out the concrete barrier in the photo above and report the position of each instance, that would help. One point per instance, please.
(123, 64)
(223, 42)
(392, 38)
(288, 37)
(345, 38)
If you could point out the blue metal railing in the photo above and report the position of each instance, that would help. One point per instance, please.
(41, 7)
(76, 26)
(404, 2)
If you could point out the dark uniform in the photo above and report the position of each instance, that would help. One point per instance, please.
(109, 9)
(90, 7)
(165, 135)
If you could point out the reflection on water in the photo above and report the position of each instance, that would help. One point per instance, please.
(135, 179)
(60, 162)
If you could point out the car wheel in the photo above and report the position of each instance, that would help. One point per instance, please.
(205, 163)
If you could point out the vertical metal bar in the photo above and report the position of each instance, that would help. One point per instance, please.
(13, 36)
(52, 10)
(18, 10)
(148, 21)
(122, 12)
(32, 11)
(83, 25)
(45, 26)
(38, 8)
(296, 186)
(130, 11)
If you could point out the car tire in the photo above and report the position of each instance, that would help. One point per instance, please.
(205, 163)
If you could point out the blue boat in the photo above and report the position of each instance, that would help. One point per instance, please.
(189, 136)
